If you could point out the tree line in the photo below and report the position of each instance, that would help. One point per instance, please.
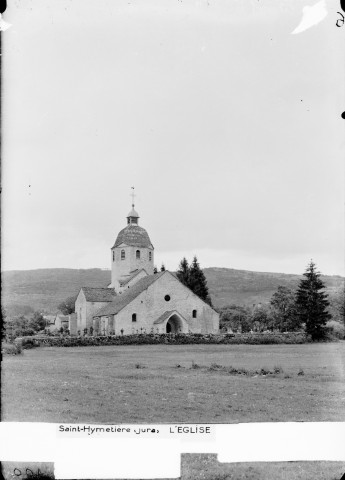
(22, 326)
(306, 308)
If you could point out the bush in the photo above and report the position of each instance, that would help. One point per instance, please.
(278, 369)
(195, 365)
(11, 348)
(175, 339)
(139, 365)
(27, 342)
(335, 330)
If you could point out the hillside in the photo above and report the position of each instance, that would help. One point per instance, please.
(24, 291)
(247, 288)
(29, 290)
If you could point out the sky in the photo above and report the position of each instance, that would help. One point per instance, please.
(228, 125)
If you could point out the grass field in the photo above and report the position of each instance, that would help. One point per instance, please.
(142, 384)
(206, 467)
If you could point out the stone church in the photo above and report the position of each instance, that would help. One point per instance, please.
(138, 300)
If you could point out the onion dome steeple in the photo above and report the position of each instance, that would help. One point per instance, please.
(132, 217)
(131, 252)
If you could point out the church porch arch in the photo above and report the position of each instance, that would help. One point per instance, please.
(172, 322)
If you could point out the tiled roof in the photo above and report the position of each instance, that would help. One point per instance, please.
(127, 279)
(99, 294)
(166, 315)
(127, 296)
(134, 236)
(63, 318)
(163, 317)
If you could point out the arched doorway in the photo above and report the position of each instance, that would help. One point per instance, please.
(174, 324)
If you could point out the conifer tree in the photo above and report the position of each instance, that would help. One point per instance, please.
(183, 272)
(312, 303)
(197, 281)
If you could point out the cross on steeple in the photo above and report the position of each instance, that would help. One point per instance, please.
(133, 195)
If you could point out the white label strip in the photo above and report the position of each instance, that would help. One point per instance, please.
(154, 451)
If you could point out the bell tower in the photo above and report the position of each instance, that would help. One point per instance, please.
(131, 252)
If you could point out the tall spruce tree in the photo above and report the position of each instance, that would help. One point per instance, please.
(183, 272)
(312, 303)
(197, 281)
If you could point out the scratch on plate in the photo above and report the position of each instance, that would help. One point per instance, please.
(312, 16)
(4, 25)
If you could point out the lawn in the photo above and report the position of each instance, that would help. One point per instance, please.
(143, 384)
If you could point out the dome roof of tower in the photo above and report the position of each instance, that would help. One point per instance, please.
(133, 213)
(134, 236)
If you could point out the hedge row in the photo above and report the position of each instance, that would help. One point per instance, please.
(176, 339)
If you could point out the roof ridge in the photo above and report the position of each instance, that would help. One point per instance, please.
(98, 288)
(133, 275)
(123, 299)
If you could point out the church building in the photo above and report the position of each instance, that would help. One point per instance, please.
(139, 300)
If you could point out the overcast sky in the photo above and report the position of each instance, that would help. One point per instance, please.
(227, 125)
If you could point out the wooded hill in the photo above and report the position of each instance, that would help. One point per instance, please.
(25, 291)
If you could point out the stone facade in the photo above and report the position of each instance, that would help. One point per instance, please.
(67, 322)
(85, 310)
(166, 299)
(137, 300)
(132, 251)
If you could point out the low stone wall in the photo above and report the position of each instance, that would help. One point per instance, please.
(173, 339)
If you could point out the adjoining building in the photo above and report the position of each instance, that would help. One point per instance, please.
(138, 300)
(58, 323)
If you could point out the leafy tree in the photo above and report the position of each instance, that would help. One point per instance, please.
(37, 322)
(67, 306)
(262, 319)
(284, 310)
(3, 319)
(155, 270)
(183, 272)
(162, 267)
(236, 317)
(312, 303)
(17, 327)
(337, 305)
(341, 305)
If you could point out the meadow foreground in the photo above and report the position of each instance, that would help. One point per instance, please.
(166, 383)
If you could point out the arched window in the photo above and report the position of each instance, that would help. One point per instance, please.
(123, 254)
(134, 317)
(150, 256)
(137, 254)
(194, 313)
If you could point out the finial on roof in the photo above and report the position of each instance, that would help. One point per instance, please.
(132, 217)
(133, 195)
